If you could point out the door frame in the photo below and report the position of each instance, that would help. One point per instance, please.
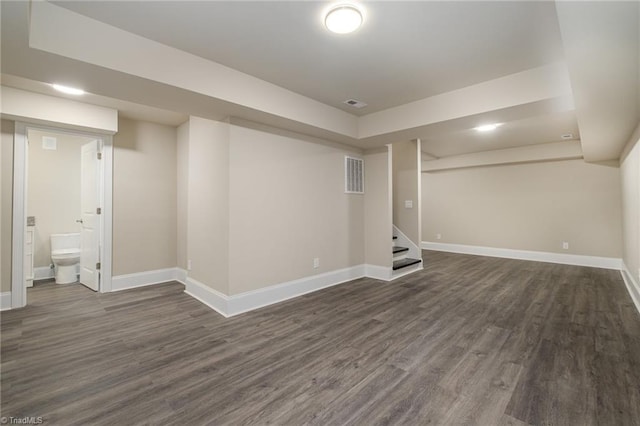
(19, 220)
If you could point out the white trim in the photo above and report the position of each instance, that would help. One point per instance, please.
(142, 279)
(18, 285)
(20, 165)
(378, 272)
(536, 256)
(205, 294)
(5, 301)
(244, 302)
(419, 168)
(406, 271)
(632, 285)
(388, 274)
(248, 301)
(181, 275)
(106, 230)
(403, 241)
(43, 273)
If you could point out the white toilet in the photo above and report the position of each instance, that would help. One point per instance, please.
(65, 254)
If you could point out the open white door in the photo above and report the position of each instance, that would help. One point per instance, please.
(90, 234)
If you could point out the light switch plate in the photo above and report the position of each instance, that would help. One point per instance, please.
(408, 204)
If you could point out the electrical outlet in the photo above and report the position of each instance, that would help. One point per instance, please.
(565, 245)
(438, 236)
(316, 262)
(189, 265)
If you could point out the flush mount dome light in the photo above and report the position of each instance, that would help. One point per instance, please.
(488, 127)
(68, 90)
(343, 19)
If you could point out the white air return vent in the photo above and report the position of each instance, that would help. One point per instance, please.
(49, 142)
(355, 103)
(353, 175)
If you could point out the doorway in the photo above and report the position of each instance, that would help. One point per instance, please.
(70, 198)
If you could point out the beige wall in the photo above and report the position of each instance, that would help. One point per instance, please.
(6, 198)
(287, 207)
(208, 203)
(378, 211)
(182, 171)
(527, 207)
(144, 197)
(630, 177)
(405, 188)
(53, 191)
(37, 108)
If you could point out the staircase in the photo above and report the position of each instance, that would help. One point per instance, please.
(400, 259)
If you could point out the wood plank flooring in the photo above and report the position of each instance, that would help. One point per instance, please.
(469, 340)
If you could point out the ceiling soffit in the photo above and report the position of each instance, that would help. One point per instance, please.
(172, 67)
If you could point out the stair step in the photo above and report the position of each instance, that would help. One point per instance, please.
(398, 249)
(399, 264)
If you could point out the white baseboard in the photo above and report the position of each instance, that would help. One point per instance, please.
(537, 256)
(406, 271)
(245, 302)
(141, 279)
(43, 273)
(378, 272)
(633, 286)
(251, 300)
(181, 275)
(205, 294)
(5, 301)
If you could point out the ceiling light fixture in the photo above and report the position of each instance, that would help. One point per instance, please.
(343, 19)
(68, 90)
(488, 127)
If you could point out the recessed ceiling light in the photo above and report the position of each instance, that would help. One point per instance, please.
(488, 127)
(68, 90)
(343, 18)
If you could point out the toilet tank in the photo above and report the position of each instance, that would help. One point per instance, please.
(65, 241)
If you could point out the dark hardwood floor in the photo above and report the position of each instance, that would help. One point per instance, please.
(469, 340)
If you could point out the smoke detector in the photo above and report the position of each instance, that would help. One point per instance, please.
(355, 103)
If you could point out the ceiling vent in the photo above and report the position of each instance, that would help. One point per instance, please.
(49, 142)
(354, 103)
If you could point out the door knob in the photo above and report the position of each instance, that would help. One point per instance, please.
(79, 221)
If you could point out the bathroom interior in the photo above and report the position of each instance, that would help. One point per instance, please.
(53, 243)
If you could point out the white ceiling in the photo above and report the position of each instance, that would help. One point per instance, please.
(515, 133)
(125, 109)
(404, 52)
(429, 70)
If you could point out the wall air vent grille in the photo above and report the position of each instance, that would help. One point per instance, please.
(353, 175)
(49, 142)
